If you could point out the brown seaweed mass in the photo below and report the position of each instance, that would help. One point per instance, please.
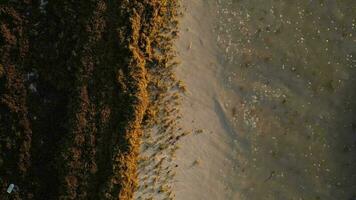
(74, 79)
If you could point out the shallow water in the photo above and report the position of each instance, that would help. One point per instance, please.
(289, 74)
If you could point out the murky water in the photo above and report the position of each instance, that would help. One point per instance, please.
(290, 88)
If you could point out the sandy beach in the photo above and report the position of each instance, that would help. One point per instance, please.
(268, 121)
(204, 159)
(178, 99)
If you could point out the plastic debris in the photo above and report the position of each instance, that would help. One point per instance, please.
(10, 188)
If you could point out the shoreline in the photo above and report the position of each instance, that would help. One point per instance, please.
(179, 99)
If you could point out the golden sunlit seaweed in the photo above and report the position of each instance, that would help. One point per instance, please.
(78, 74)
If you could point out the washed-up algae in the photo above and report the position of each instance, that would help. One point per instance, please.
(15, 142)
(74, 92)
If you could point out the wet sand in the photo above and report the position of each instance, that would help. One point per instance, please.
(272, 88)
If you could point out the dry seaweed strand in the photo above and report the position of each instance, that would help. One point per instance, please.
(95, 68)
(15, 130)
(146, 19)
(162, 113)
(79, 152)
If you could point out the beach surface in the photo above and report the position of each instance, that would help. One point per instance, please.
(269, 100)
(204, 158)
(206, 100)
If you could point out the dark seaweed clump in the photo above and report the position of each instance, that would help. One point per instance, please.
(74, 79)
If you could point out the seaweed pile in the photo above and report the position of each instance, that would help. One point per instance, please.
(78, 80)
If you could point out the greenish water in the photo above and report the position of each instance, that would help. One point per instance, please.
(290, 85)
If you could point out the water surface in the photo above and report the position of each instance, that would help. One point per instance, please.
(289, 74)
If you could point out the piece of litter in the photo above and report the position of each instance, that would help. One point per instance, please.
(10, 188)
(33, 88)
